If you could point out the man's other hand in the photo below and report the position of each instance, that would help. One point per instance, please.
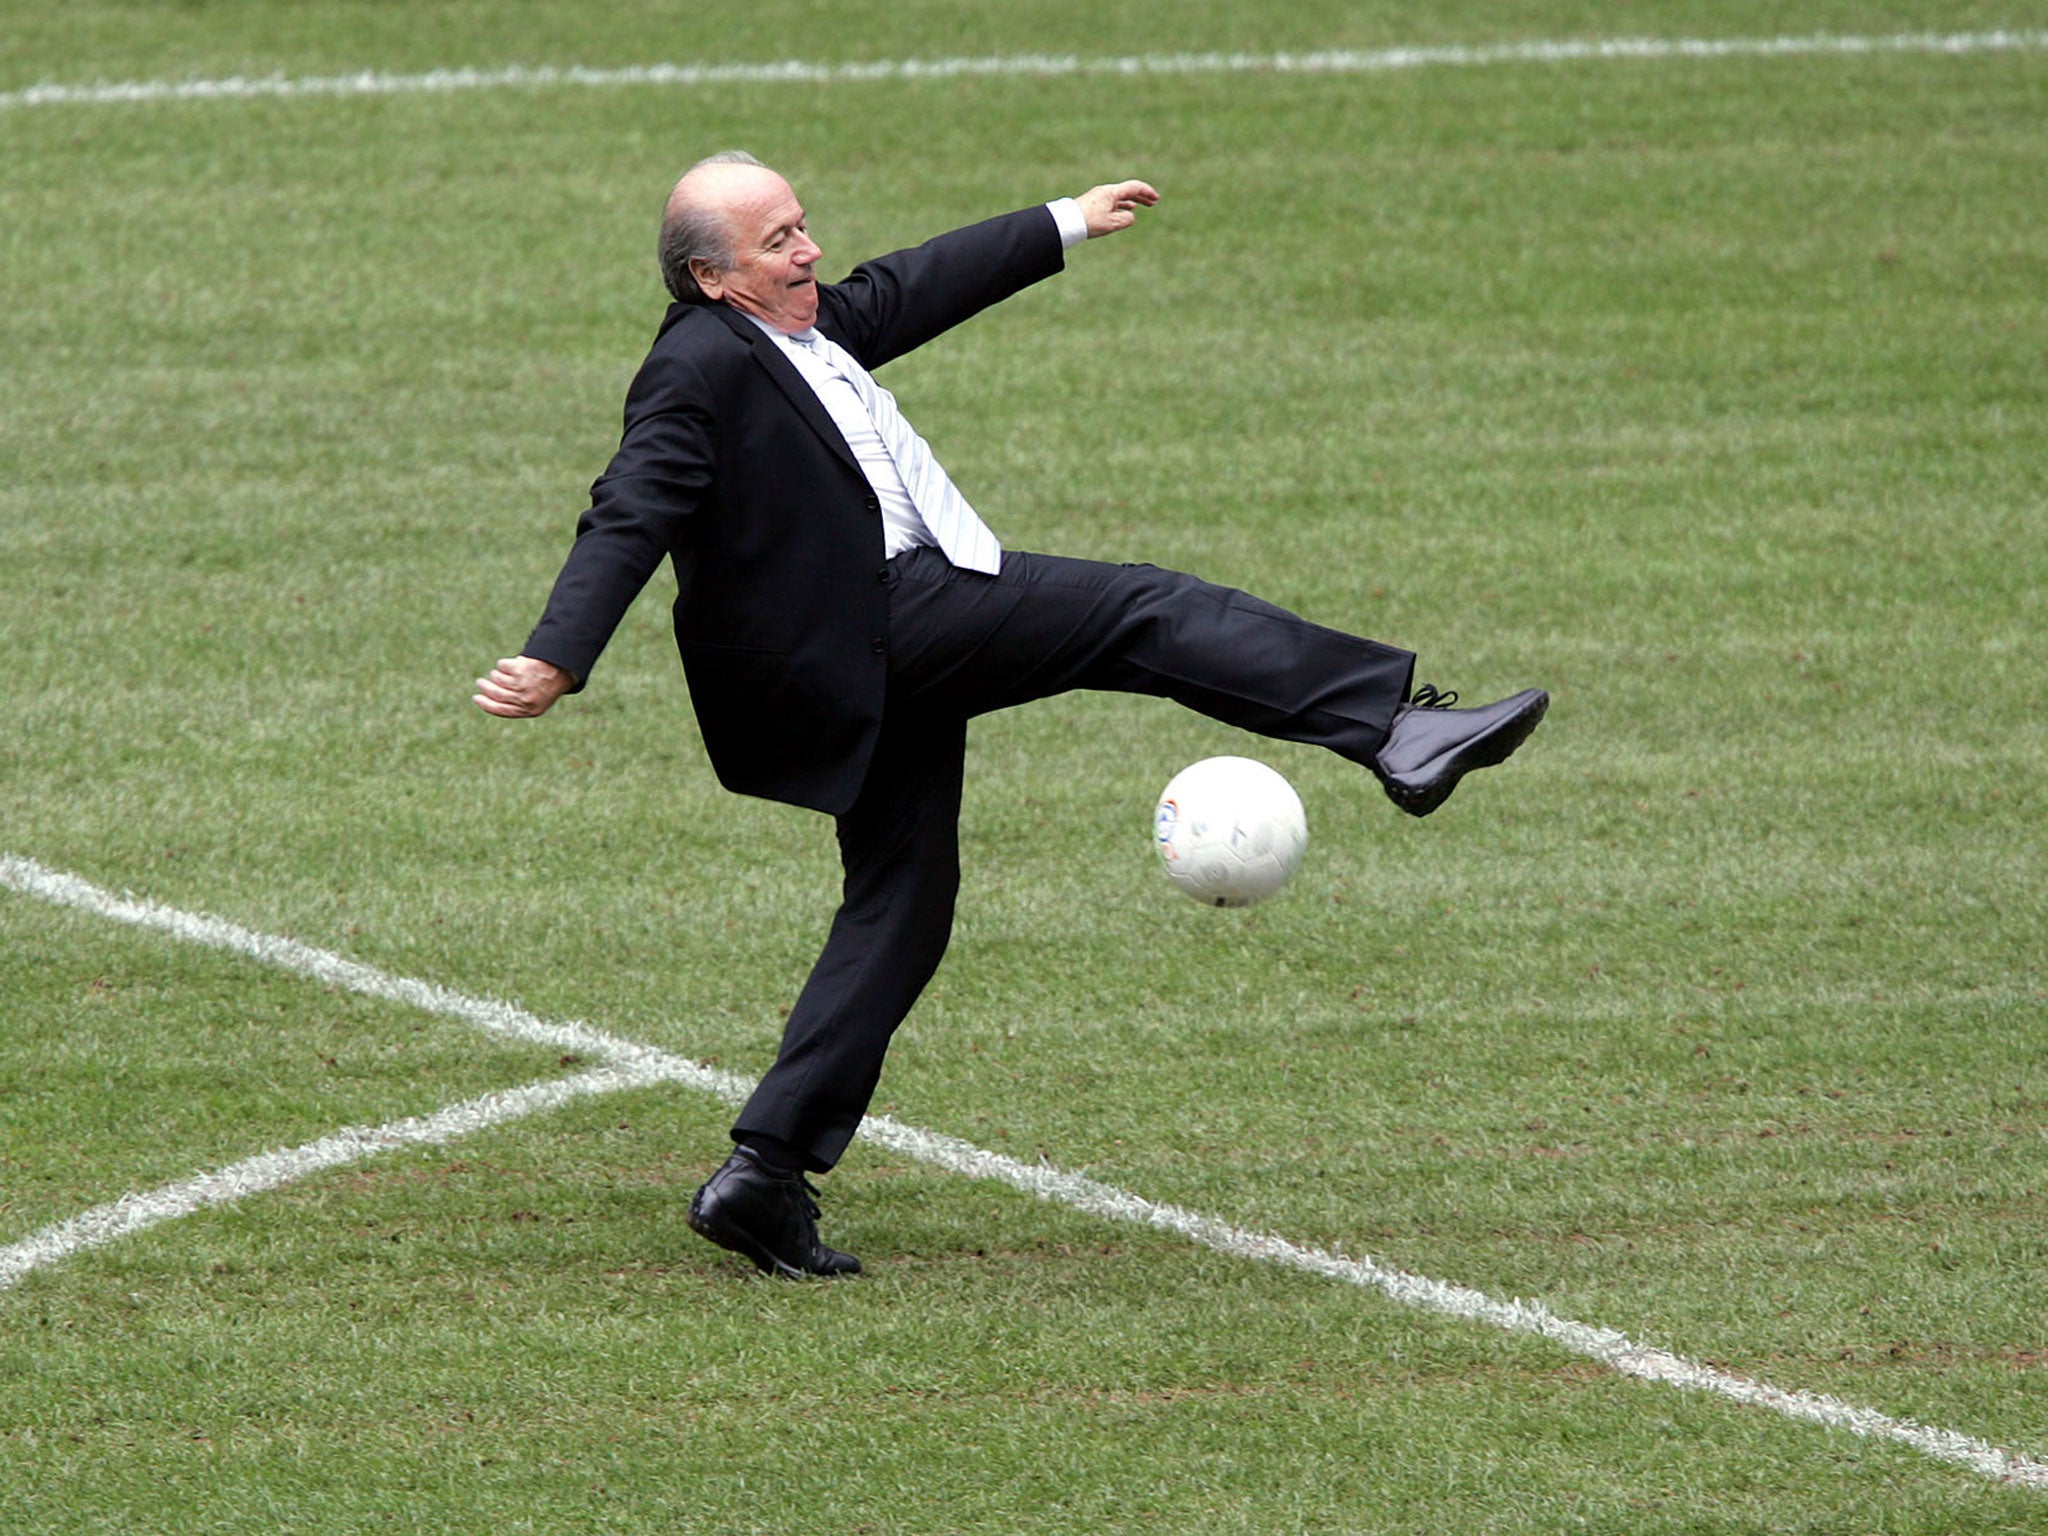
(521, 687)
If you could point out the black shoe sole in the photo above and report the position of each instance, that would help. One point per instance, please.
(1496, 746)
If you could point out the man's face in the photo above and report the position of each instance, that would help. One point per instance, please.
(772, 255)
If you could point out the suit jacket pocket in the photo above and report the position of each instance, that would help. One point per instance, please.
(761, 722)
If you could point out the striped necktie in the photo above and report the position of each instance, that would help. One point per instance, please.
(961, 535)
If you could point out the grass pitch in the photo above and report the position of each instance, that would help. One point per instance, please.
(1706, 391)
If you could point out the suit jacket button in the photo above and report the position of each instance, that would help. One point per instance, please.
(878, 645)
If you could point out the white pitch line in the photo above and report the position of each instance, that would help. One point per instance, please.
(132, 1213)
(1340, 61)
(59, 889)
(629, 1065)
(1613, 1349)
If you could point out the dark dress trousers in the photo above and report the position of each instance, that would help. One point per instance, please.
(827, 676)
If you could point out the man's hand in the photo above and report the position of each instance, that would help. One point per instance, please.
(521, 687)
(1114, 206)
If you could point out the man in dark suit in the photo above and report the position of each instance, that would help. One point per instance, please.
(842, 613)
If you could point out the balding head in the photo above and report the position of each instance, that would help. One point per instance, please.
(733, 233)
(697, 224)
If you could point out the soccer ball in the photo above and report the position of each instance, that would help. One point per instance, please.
(1230, 831)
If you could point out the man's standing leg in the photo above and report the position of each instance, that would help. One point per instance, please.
(899, 845)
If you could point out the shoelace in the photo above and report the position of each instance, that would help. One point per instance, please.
(807, 1194)
(801, 1188)
(1427, 697)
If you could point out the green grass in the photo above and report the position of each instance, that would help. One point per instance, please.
(1707, 393)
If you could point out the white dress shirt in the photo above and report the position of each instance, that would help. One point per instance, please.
(902, 528)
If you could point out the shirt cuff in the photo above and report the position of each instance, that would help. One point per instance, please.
(1073, 226)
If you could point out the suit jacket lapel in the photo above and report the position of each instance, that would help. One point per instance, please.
(788, 380)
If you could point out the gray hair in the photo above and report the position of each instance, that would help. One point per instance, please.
(692, 233)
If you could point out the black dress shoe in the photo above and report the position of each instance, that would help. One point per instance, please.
(767, 1216)
(1432, 746)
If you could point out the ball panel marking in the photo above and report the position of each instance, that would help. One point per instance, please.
(1230, 831)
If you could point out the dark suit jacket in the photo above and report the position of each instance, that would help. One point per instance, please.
(731, 468)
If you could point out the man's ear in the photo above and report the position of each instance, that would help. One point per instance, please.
(709, 279)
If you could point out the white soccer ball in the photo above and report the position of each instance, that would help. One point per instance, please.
(1230, 831)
